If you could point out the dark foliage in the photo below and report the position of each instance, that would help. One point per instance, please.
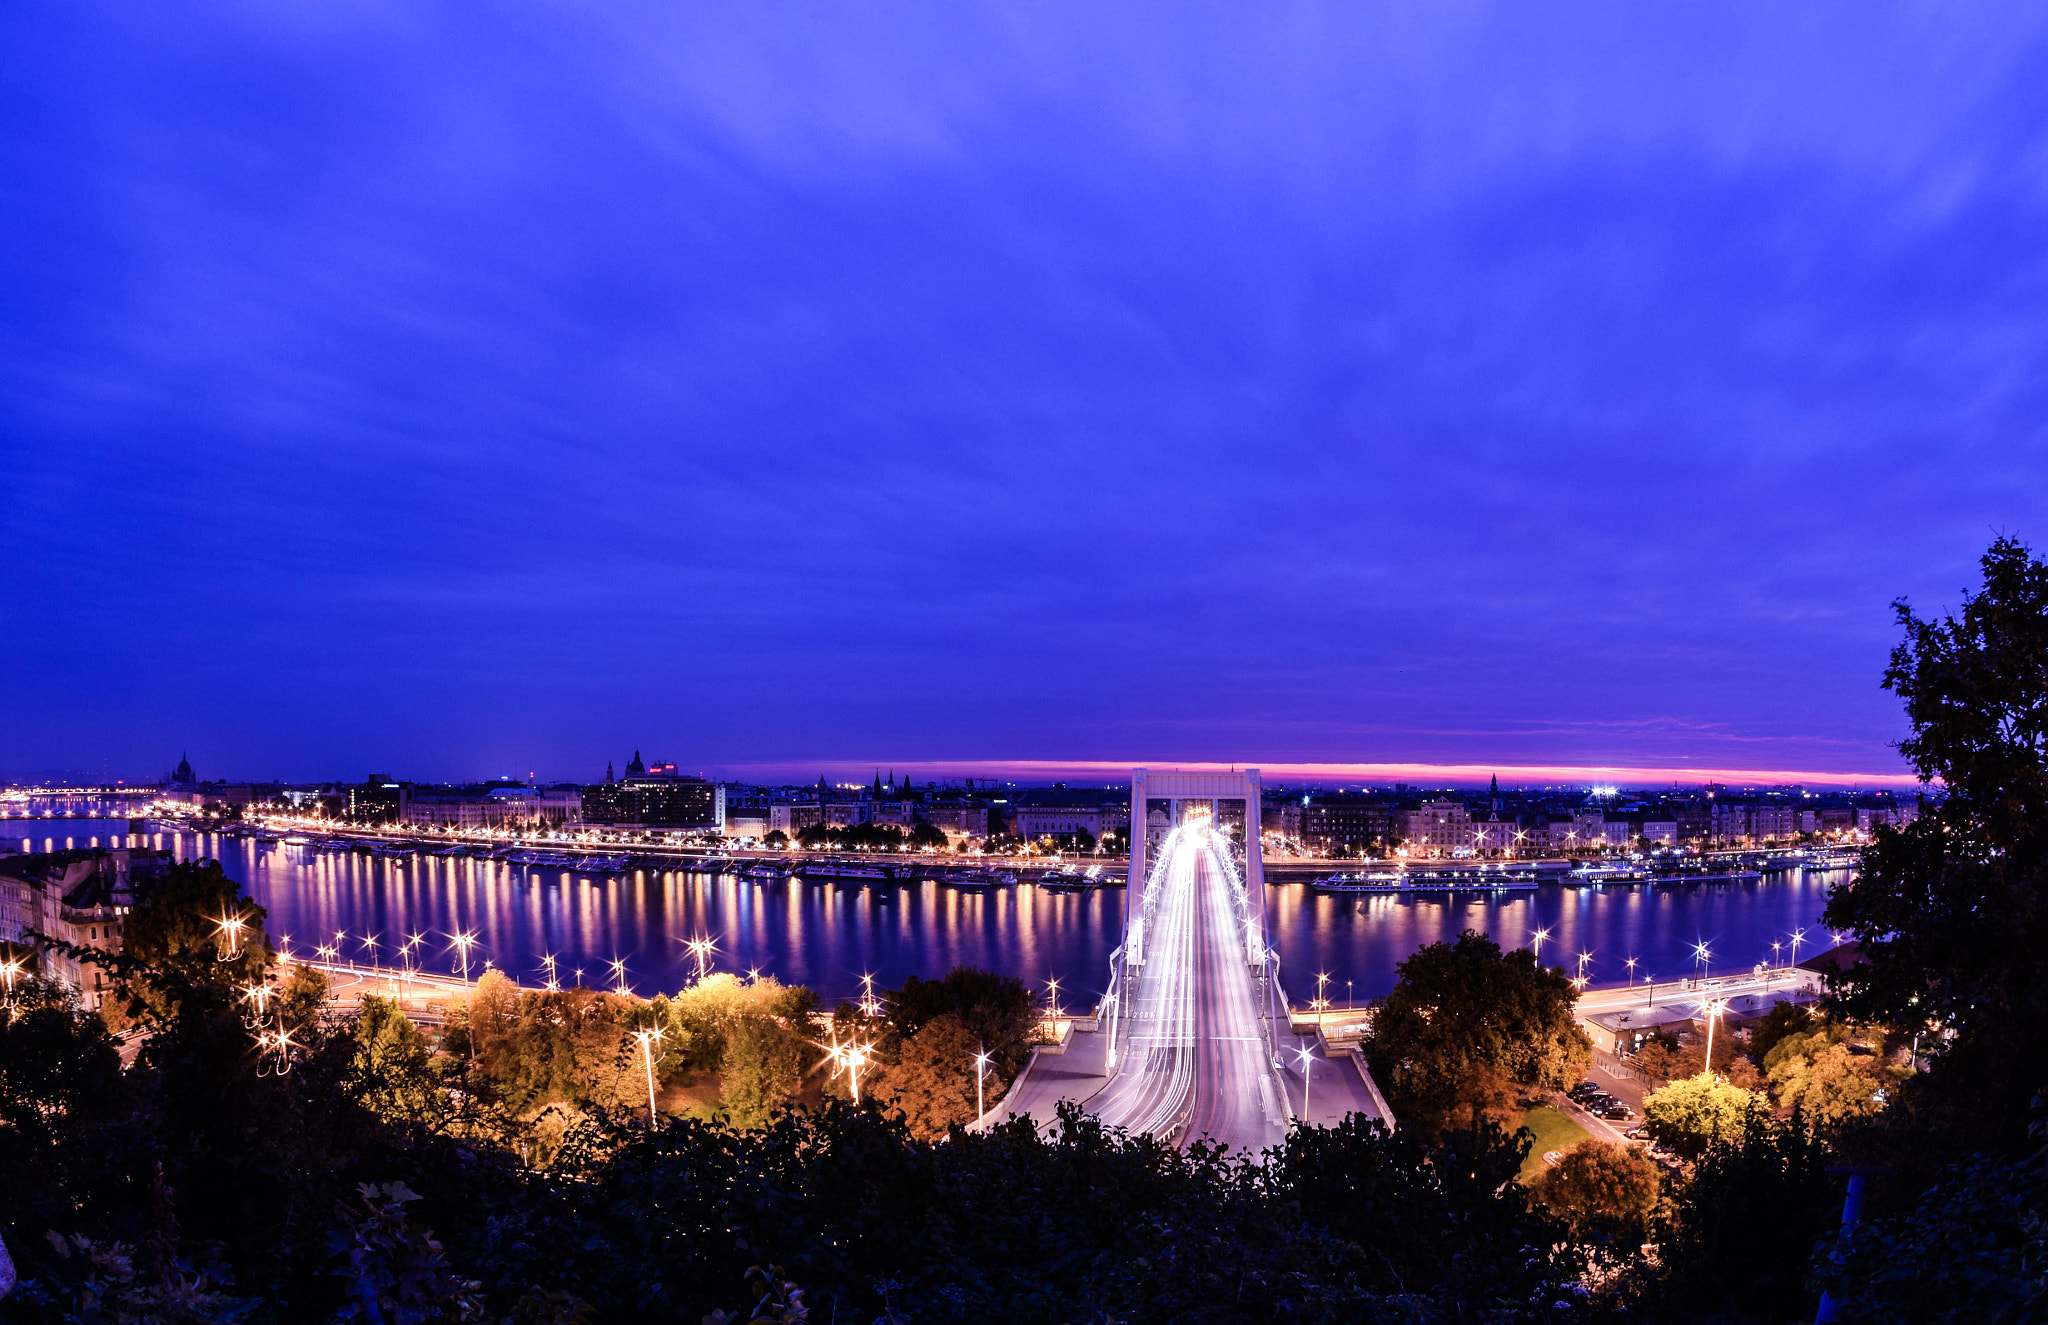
(1951, 913)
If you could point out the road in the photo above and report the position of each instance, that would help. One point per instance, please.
(1193, 1043)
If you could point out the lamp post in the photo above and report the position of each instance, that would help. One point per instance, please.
(701, 949)
(229, 936)
(1713, 1014)
(852, 1057)
(648, 1039)
(1798, 937)
(462, 943)
(1540, 935)
(1699, 956)
(1307, 1075)
(1631, 964)
(980, 1072)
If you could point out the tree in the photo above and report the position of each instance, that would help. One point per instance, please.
(1948, 913)
(761, 1070)
(931, 1082)
(174, 938)
(1463, 1010)
(1783, 1019)
(302, 995)
(1689, 1114)
(996, 1009)
(1665, 1056)
(393, 1064)
(923, 834)
(1598, 1185)
(1830, 1076)
(776, 839)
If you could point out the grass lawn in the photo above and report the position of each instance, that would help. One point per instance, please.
(1554, 1131)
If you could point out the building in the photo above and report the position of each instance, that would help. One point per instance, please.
(79, 897)
(1036, 821)
(1437, 828)
(964, 818)
(378, 799)
(1354, 822)
(657, 797)
(495, 806)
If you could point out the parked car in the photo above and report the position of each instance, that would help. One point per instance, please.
(1617, 1113)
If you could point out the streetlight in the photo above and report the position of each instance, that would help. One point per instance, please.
(1540, 935)
(548, 960)
(619, 974)
(701, 949)
(1713, 1010)
(1631, 964)
(229, 936)
(1699, 956)
(648, 1039)
(981, 1071)
(1777, 953)
(1798, 937)
(1307, 1074)
(1054, 985)
(1584, 957)
(462, 942)
(852, 1058)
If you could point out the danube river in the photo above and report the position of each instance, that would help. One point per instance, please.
(829, 935)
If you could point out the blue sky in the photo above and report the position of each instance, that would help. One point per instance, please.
(454, 389)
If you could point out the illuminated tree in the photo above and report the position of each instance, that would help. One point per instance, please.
(1464, 1014)
(1690, 1114)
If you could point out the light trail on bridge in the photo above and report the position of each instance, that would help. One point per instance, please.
(1193, 1039)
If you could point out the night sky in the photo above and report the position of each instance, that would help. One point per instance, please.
(458, 389)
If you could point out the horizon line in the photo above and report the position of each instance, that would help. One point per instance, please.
(1450, 774)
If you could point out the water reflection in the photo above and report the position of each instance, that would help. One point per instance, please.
(827, 936)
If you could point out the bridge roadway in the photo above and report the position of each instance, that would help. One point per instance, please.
(1195, 1039)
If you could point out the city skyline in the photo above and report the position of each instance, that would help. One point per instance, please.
(1327, 388)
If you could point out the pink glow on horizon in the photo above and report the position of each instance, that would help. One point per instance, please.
(1031, 770)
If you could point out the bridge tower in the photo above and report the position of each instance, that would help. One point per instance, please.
(1172, 792)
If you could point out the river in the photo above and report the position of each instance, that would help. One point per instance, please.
(828, 936)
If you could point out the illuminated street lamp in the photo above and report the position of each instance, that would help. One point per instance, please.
(701, 949)
(10, 970)
(228, 936)
(870, 1006)
(548, 960)
(1584, 957)
(1798, 937)
(1631, 964)
(619, 974)
(851, 1058)
(1307, 1072)
(1699, 956)
(1054, 987)
(1713, 1010)
(980, 1073)
(462, 943)
(258, 996)
(648, 1039)
(1540, 935)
